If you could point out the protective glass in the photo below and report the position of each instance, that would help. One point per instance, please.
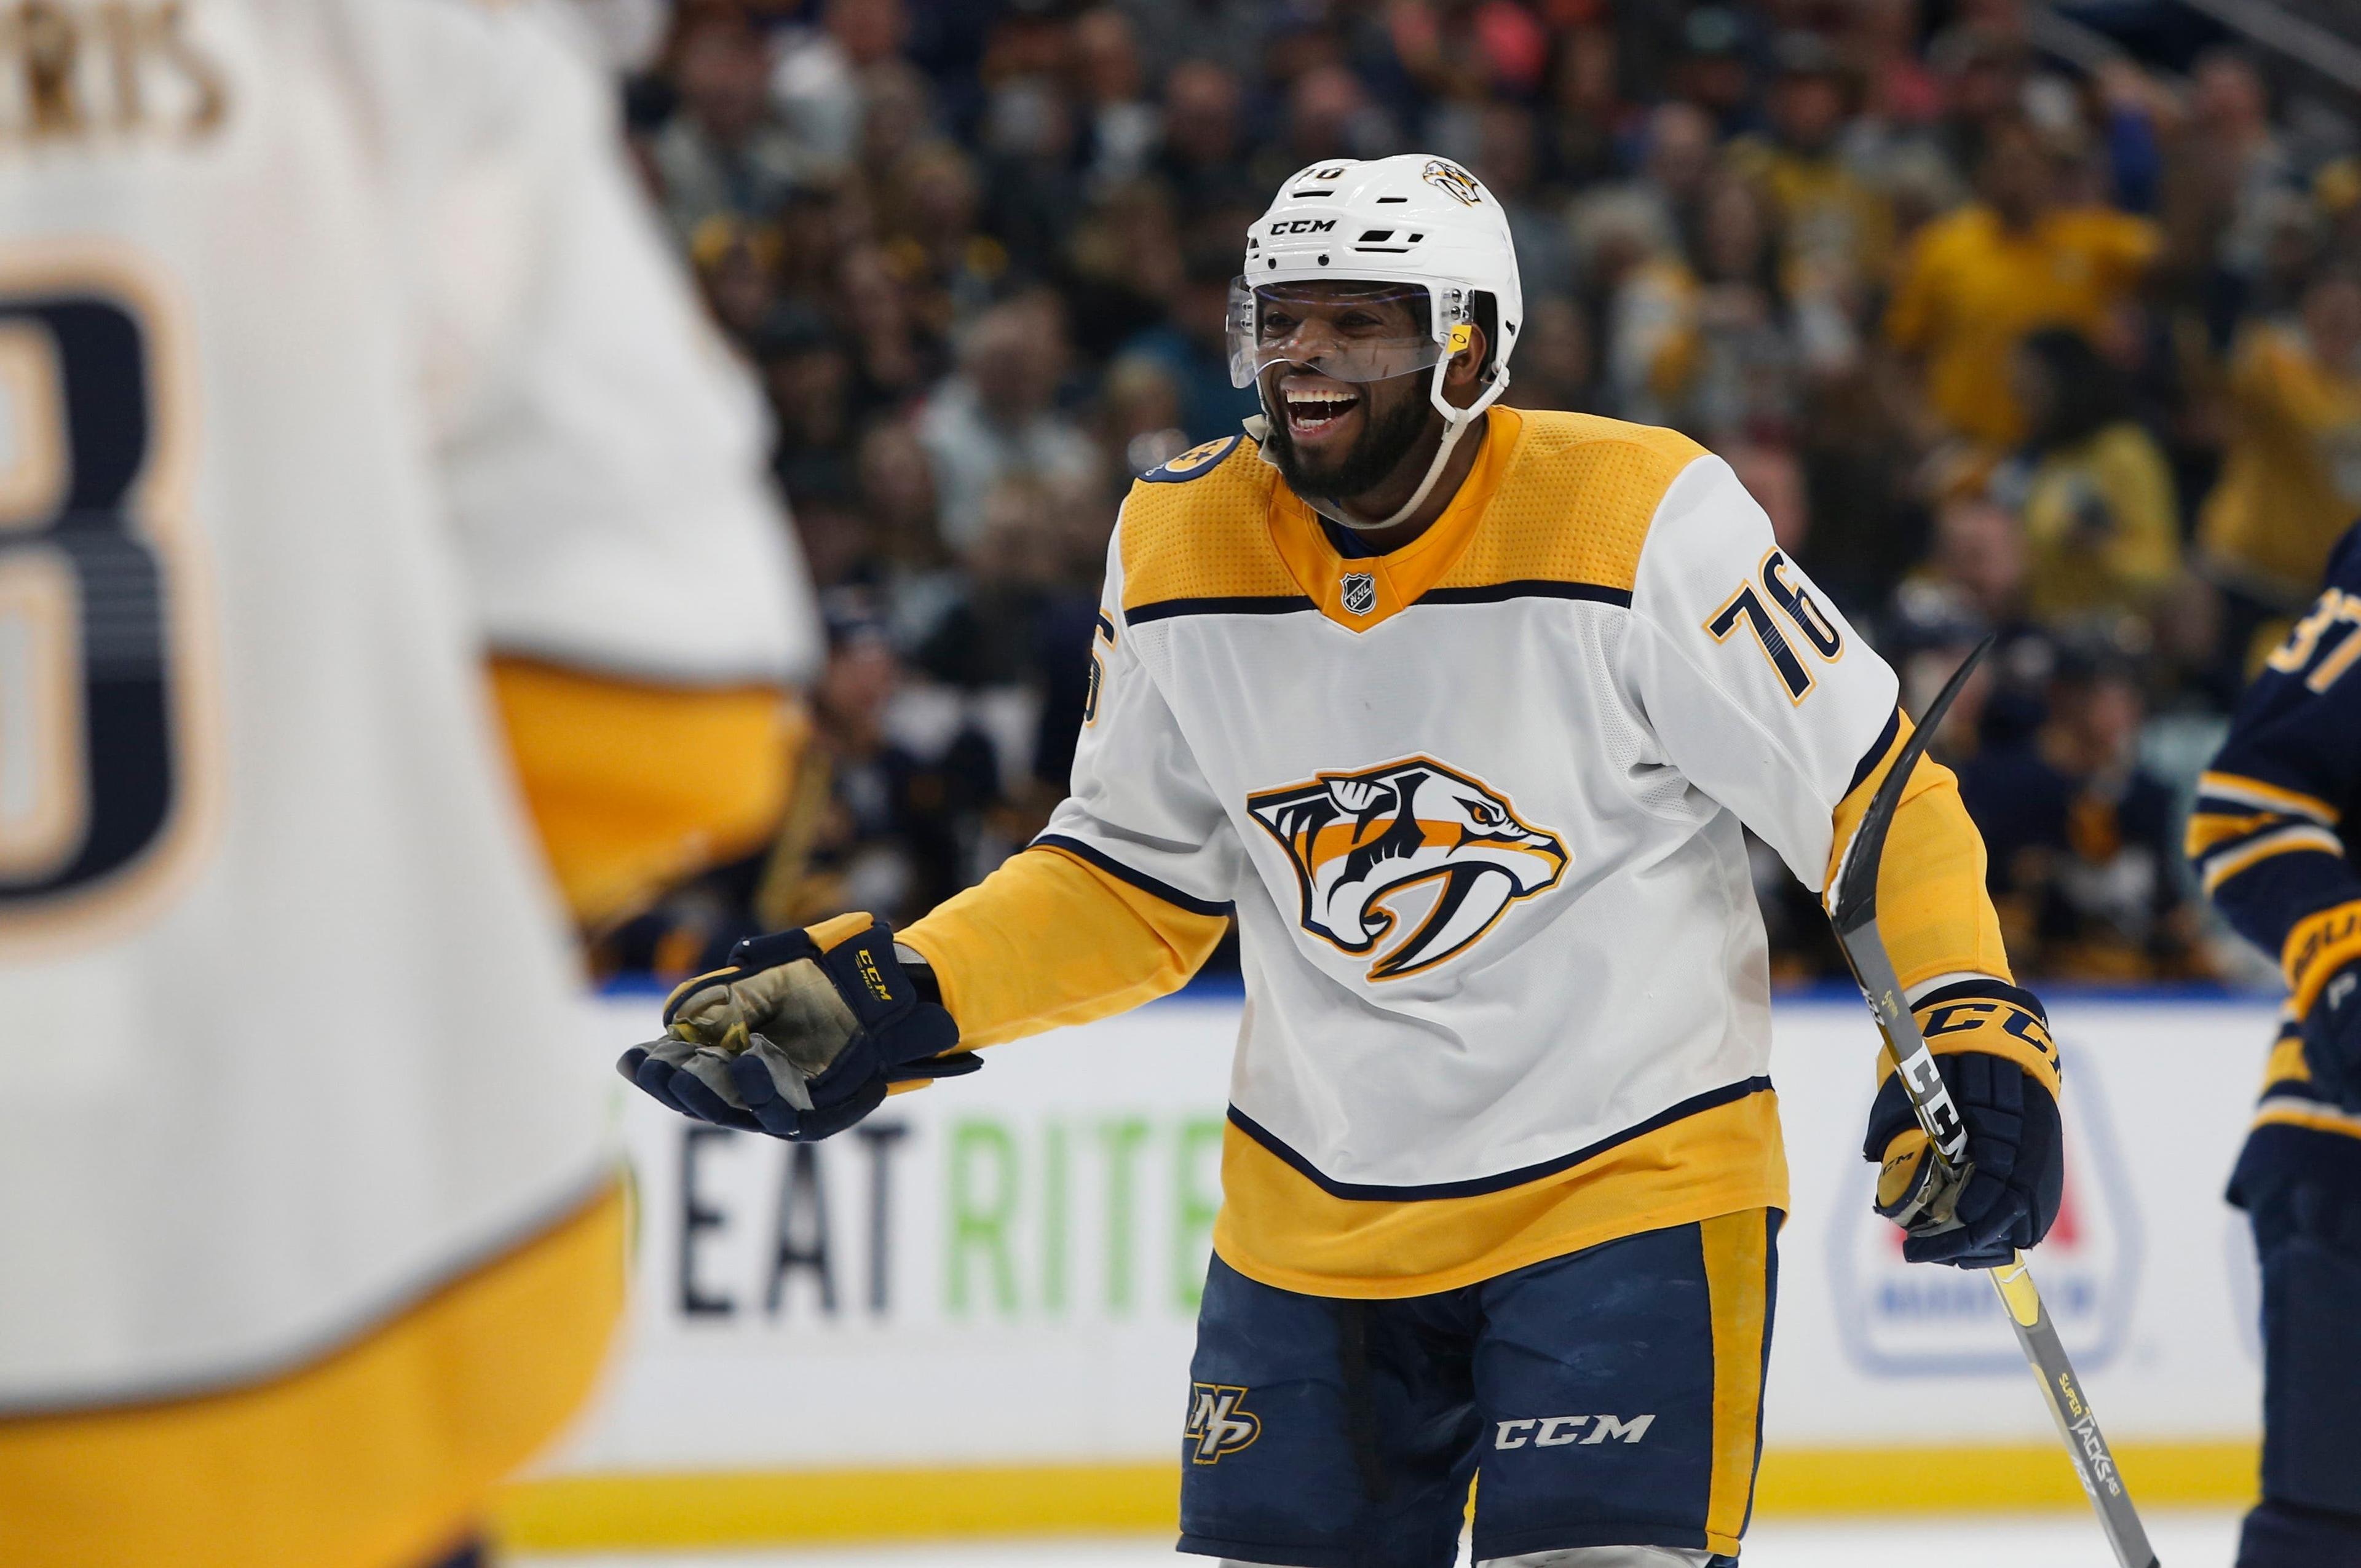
(1349, 333)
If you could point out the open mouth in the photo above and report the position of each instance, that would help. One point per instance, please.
(1314, 410)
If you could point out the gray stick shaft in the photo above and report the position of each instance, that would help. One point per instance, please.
(2094, 1463)
(1921, 1078)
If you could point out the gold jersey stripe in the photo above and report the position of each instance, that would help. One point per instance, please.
(384, 1453)
(635, 786)
(1278, 1227)
(2269, 797)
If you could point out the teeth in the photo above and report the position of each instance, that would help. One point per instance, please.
(1313, 406)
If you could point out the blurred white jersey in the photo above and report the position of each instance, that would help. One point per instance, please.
(333, 351)
(1476, 805)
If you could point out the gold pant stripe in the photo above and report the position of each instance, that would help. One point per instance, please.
(378, 1457)
(1277, 1227)
(1736, 1278)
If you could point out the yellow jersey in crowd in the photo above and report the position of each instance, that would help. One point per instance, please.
(2291, 481)
(1968, 290)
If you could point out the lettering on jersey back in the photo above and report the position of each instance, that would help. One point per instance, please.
(107, 73)
(1361, 843)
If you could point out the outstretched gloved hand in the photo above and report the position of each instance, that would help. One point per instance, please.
(802, 1035)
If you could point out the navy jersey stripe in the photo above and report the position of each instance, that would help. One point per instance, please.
(1876, 753)
(1271, 604)
(1476, 1187)
(1495, 593)
(1139, 879)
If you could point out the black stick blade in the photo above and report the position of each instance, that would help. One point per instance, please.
(1856, 899)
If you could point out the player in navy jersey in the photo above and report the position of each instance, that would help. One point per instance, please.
(2273, 838)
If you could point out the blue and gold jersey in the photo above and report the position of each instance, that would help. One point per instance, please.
(2274, 833)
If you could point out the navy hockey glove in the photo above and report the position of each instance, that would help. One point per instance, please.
(1991, 1042)
(801, 1036)
(2323, 968)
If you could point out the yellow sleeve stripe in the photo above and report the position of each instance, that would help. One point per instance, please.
(2244, 791)
(2207, 828)
(1049, 939)
(2286, 1064)
(2294, 1112)
(2297, 837)
(1932, 906)
(2319, 945)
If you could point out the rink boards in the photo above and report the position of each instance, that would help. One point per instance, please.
(976, 1312)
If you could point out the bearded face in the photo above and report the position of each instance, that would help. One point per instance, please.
(1334, 439)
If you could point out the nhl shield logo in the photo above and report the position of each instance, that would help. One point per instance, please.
(1360, 592)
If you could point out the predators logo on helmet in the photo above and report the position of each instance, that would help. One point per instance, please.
(1452, 181)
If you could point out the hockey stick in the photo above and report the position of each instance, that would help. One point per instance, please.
(1854, 913)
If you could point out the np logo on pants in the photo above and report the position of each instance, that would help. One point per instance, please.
(1219, 1421)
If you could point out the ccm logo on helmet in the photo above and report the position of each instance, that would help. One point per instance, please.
(1556, 1431)
(1304, 225)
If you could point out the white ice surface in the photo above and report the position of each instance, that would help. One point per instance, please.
(2045, 1541)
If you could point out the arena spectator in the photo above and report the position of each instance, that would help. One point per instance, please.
(2082, 838)
(2013, 261)
(726, 152)
(2291, 473)
(1203, 158)
(1838, 231)
(2092, 488)
(997, 418)
(1124, 122)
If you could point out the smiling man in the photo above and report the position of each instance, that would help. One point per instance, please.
(1458, 712)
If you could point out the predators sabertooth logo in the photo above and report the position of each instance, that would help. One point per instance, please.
(1452, 181)
(1360, 842)
(1219, 1421)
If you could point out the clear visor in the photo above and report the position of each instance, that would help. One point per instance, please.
(1351, 333)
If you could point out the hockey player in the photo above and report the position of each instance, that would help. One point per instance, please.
(2272, 839)
(1458, 711)
(336, 350)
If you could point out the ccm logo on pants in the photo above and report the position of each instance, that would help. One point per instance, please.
(1556, 1431)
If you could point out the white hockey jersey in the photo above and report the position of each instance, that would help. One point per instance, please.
(332, 348)
(1476, 805)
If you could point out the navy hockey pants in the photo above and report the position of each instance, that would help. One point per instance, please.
(2301, 1189)
(1611, 1397)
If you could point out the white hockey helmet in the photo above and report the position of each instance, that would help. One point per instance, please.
(1415, 221)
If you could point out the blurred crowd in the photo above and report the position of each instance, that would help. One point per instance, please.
(2052, 338)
